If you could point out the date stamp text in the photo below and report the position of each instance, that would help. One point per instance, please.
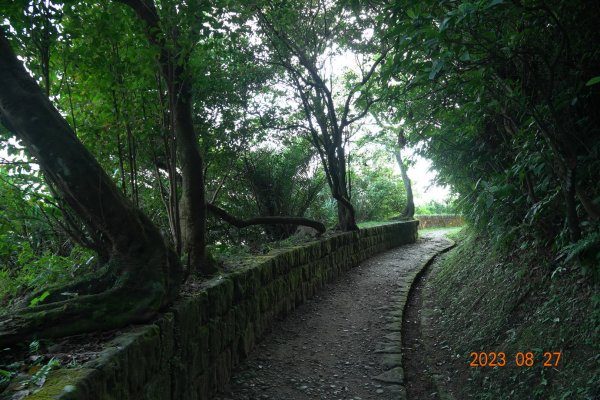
(520, 359)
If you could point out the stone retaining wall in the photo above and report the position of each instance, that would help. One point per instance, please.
(439, 221)
(189, 352)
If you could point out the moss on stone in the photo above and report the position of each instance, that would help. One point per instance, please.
(266, 296)
(61, 384)
(223, 368)
(279, 289)
(239, 286)
(203, 340)
(214, 339)
(190, 314)
(252, 276)
(241, 320)
(165, 326)
(252, 306)
(220, 296)
(248, 340)
(266, 272)
(228, 327)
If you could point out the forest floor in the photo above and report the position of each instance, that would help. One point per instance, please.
(344, 343)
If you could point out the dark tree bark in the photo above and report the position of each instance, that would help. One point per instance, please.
(143, 274)
(409, 210)
(243, 223)
(590, 208)
(173, 63)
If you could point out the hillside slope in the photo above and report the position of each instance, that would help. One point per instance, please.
(481, 299)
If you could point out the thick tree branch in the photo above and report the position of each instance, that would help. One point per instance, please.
(362, 114)
(243, 223)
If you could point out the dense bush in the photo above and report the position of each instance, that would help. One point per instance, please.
(435, 208)
(503, 98)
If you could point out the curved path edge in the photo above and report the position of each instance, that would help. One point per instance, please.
(392, 352)
(345, 343)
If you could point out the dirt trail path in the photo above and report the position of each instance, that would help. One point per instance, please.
(345, 342)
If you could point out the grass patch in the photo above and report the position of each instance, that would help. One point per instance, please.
(448, 231)
(510, 301)
(370, 224)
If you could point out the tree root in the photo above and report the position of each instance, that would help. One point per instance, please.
(91, 284)
(111, 309)
(130, 289)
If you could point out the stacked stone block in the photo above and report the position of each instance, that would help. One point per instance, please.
(189, 352)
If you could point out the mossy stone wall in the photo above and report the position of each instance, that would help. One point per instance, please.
(188, 353)
(440, 221)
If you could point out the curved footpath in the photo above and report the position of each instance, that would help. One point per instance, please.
(345, 342)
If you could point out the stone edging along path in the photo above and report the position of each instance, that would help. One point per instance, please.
(391, 347)
(346, 342)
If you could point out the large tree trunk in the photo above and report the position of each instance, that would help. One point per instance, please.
(173, 65)
(346, 217)
(409, 210)
(192, 207)
(143, 274)
(346, 213)
(336, 166)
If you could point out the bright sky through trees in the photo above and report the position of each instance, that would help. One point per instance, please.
(422, 176)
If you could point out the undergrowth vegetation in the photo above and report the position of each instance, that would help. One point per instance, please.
(506, 112)
(495, 298)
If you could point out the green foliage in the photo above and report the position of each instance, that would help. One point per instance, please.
(371, 224)
(39, 270)
(5, 378)
(27, 253)
(501, 96)
(39, 298)
(378, 194)
(34, 249)
(271, 182)
(283, 182)
(585, 252)
(435, 208)
(31, 374)
(595, 80)
(515, 135)
(324, 209)
(34, 347)
(39, 378)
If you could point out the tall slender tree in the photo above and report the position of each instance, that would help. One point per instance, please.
(174, 34)
(304, 39)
